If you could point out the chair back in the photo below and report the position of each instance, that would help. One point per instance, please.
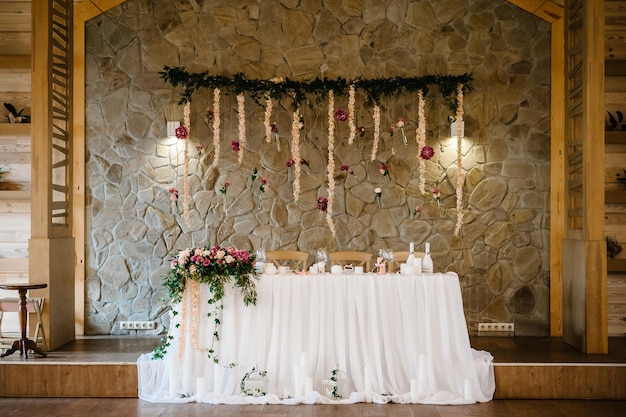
(400, 257)
(34, 306)
(296, 260)
(355, 258)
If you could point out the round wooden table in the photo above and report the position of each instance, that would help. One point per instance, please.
(24, 343)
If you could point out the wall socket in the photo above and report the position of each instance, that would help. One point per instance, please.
(138, 325)
(496, 328)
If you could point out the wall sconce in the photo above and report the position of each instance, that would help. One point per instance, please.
(171, 129)
(454, 127)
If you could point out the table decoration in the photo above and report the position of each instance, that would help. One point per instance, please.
(254, 383)
(214, 266)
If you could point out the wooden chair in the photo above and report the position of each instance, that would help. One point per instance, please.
(400, 257)
(355, 258)
(34, 306)
(294, 259)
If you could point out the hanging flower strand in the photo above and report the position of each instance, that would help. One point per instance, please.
(351, 124)
(216, 125)
(241, 110)
(266, 121)
(331, 161)
(459, 159)
(295, 151)
(184, 134)
(421, 140)
(376, 131)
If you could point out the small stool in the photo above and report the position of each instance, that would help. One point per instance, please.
(24, 344)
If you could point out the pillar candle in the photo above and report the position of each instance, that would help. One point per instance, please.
(368, 386)
(200, 388)
(467, 390)
(217, 379)
(423, 374)
(297, 381)
(308, 385)
(414, 391)
(173, 368)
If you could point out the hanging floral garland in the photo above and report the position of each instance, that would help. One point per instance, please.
(295, 151)
(351, 123)
(185, 137)
(376, 117)
(266, 120)
(421, 140)
(459, 159)
(216, 125)
(331, 161)
(241, 110)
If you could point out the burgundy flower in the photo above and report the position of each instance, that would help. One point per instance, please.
(427, 152)
(182, 132)
(341, 115)
(235, 145)
(289, 163)
(274, 127)
(322, 204)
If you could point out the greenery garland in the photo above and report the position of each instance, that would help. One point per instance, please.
(375, 89)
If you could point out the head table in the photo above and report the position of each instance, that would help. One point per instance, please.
(389, 338)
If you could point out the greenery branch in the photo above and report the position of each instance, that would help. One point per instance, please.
(300, 91)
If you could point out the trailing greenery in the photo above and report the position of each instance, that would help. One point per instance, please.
(300, 91)
(215, 267)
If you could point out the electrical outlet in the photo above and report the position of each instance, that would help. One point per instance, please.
(496, 328)
(138, 325)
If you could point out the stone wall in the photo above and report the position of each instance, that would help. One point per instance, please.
(502, 254)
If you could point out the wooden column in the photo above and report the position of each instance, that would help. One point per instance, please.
(557, 177)
(584, 249)
(51, 247)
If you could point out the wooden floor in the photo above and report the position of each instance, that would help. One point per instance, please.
(123, 407)
(95, 368)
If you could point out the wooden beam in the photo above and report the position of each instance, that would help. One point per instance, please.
(557, 177)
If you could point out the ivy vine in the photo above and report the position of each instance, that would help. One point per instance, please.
(299, 91)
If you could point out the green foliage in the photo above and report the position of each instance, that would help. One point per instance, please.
(317, 89)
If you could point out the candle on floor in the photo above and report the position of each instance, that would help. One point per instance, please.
(200, 388)
(423, 374)
(368, 386)
(297, 381)
(308, 385)
(414, 391)
(217, 379)
(467, 390)
(173, 368)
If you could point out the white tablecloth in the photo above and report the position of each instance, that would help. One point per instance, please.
(308, 325)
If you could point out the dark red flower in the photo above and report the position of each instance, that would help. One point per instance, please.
(427, 152)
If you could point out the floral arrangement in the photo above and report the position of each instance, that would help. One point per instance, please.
(384, 171)
(174, 196)
(200, 149)
(235, 146)
(348, 170)
(262, 189)
(437, 196)
(223, 190)
(391, 131)
(417, 211)
(214, 266)
(252, 384)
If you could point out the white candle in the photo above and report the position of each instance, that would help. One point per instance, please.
(217, 379)
(414, 391)
(308, 385)
(411, 247)
(423, 374)
(297, 381)
(467, 390)
(368, 386)
(173, 377)
(200, 388)
(304, 365)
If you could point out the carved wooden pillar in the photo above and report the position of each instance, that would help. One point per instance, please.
(51, 247)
